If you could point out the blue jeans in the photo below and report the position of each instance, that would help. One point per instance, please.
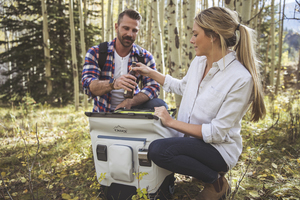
(188, 156)
(155, 102)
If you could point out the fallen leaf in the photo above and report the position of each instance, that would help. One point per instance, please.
(254, 194)
(258, 158)
(23, 180)
(66, 196)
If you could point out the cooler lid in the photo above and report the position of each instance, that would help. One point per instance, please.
(132, 113)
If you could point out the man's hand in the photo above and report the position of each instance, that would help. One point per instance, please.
(126, 82)
(138, 99)
(126, 104)
(101, 87)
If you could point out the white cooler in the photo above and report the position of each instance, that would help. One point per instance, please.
(120, 142)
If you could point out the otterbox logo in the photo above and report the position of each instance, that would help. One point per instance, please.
(120, 129)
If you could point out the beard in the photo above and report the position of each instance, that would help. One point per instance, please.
(126, 41)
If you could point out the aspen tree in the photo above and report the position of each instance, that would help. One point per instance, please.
(191, 13)
(46, 45)
(82, 43)
(158, 51)
(109, 22)
(272, 43)
(74, 59)
(174, 42)
(103, 21)
(280, 45)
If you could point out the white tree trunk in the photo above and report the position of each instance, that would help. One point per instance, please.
(184, 31)
(112, 25)
(246, 11)
(121, 6)
(109, 22)
(82, 42)
(162, 16)
(103, 21)
(74, 59)
(149, 27)
(46, 45)
(191, 13)
(158, 51)
(255, 13)
(280, 46)
(238, 6)
(229, 4)
(272, 43)
(174, 43)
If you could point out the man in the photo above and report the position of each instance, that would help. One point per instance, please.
(107, 86)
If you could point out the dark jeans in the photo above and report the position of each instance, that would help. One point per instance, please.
(155, 102)
(188, 156)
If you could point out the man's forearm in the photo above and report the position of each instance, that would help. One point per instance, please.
(99, 88)
(139, 99)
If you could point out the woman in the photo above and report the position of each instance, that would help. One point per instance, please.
(220, 85)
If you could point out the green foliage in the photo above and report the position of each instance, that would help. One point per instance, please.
(142, 193)
(64, 168)
(23, 19)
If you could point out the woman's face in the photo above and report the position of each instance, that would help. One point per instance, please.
(202, 43)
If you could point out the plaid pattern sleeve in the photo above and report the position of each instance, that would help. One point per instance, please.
(90, 70)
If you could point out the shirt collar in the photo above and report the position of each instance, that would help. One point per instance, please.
(111, 48)
(228, 59)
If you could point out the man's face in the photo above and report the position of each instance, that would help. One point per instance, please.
(127, 30)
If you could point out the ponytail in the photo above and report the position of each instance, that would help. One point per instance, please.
(246, 55)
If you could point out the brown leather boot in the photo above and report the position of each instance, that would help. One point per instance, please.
(214, 191)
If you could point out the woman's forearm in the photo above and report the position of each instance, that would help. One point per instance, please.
(157, 76)
(193, 130)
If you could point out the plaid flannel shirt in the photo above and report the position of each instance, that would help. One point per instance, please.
(91, 71)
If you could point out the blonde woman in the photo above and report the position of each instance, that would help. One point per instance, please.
(220, 85)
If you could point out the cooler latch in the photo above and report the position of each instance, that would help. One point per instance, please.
(143, 158)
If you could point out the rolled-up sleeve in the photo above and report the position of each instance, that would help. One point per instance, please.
(233, 107)
(90, 70)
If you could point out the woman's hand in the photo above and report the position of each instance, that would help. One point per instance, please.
(142, 69)
(164, 115)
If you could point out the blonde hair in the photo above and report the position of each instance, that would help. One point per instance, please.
(223, 23)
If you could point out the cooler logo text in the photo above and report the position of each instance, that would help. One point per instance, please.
(120, 129)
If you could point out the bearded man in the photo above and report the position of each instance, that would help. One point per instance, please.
(106, 84)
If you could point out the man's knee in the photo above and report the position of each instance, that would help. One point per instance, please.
(156, 102)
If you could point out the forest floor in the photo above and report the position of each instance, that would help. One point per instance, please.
(46, 154)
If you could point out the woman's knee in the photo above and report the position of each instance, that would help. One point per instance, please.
(154, 149)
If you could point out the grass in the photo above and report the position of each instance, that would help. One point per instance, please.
(46, 154)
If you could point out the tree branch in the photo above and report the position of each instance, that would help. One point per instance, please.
(272, 125)
(32, 164)
(5, 187)
(240, 180)
(261, 9)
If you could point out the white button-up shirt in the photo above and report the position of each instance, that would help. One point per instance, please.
(218, 102)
